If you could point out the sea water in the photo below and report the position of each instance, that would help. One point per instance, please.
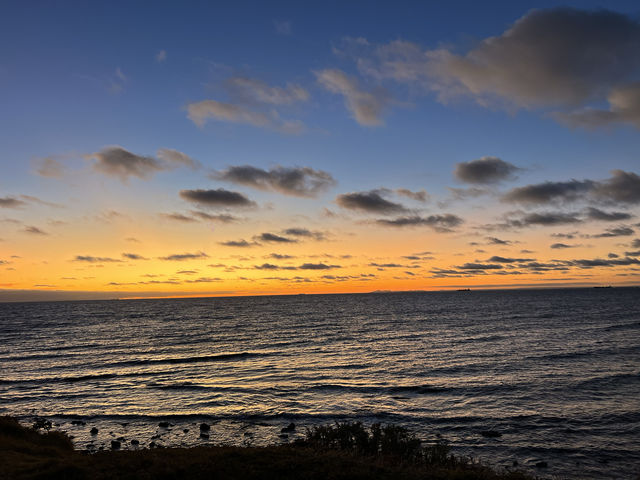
(515, 377)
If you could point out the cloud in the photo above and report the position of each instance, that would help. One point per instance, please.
(305, 233)
(11, 202)
(479, 266)
(273, 238)
(216, 198)
(239, 243)
(370, 201)
(220, 217)
(250, 90)
(544, 219)
(418, 196)
(366, 107)
(92, 259)
(200, 112)
(497, 259)
(498, 241)
(317, 266)
(178, 217)
(134, 256)
(622, 187)
(34, 230)
(282, 27)
(560, 56)
(118, 162)
(485, 170)
(560, 246)
(49, 167)
(161, 56)
(615, 232)
(441, 223)
(178, 159)
(624, 107)
(548, 192)
(295, 181)
(178, 257)
(635, 243)
(597, 214)
(278, 256)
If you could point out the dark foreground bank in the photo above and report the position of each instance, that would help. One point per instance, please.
(343, 451)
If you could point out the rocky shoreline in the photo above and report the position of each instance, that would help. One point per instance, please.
(342, 451)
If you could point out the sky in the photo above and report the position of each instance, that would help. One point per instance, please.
(154, 149)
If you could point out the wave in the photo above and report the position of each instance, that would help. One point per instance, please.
(180, 360)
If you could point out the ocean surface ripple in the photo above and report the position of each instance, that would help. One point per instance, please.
(554, 375)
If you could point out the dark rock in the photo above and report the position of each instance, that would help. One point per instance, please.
(42, 423)
(77, 422)
(115, 444)
(204, 427)
(164, 424)
(94, 431)
(283, 436)
(204, 435)
(135, 442)
(490, 434)
(515, 463)
(152, 445)
(289, 428)
(186, 430)
(542, 465)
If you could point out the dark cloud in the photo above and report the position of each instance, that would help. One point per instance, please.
(178, 257)
(317, 266)
(178, 217)
(635, 243)
(560, 246)
(273, 238)
(216, 198)
(624, 107)
(371, 202)
(616, 232)
(560, 56)
(220, 217)
(305, 233)
(387, 265)
(548, 192)
(34, 230)
(633, 254)
(11, 202)
(597, 214)
(498, 241)
(239, 243)
(118, 162)
(479, 266)
(610, 262)
(92, 259)
(622, 187)
(440, 223)
(485, 170)
(497, 259)
(134, 256)
(278, 256)
(296, 181)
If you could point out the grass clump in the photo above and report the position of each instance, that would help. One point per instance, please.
(345, 451)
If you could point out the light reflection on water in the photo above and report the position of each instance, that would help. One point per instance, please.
(555, 371)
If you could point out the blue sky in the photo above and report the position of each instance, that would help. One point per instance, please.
(78, 77)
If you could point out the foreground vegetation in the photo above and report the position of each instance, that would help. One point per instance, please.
(341, 451)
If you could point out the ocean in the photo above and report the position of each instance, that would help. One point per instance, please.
(514, 377)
